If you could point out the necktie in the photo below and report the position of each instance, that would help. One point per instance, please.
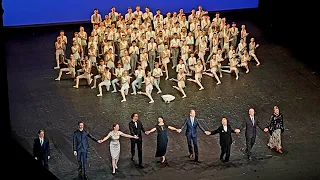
(192, 121)
(252, 120)
(41, 142)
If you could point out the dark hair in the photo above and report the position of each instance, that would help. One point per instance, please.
(95, 9)
(114, 125)
(80, 122)
(133, 114)
(41, 130)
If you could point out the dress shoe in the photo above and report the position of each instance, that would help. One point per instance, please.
(280, 151)
(225, 161)
(140, 166)
(132, 158)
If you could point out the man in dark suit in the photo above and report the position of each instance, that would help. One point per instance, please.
(251, 122)
(80, 148)
(41, 149)
(136, 127)
(225, 131)
(191, 124)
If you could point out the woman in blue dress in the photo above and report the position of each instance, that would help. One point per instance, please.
(162, 137)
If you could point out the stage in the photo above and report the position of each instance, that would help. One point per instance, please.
(39, 102)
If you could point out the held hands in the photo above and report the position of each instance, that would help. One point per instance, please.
(147, 132)
(265, 130)
(48, 157)
(135, 137)
(237, 131)
(207, 133)
(179, 130)
(100, 141)
(75, 153)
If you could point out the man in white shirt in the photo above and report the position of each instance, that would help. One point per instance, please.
(113, 14)
(158, 13)
(129, 16)
(139, 73)
(152, 48)
(234, 33)
(138, 13)
(174, 46)
(150, 33)
(134, 52)
(192, 15)
(118, 74)
(100, 68)
(147, 16)
(96, 17)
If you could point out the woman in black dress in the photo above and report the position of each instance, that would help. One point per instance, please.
(275, 128)
(162, 137)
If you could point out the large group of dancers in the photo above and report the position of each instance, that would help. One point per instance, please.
(134, 49)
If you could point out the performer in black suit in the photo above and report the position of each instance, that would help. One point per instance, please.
(136, 127)
(251, 122)
(41, 149)
(225, 131)
(80, 148)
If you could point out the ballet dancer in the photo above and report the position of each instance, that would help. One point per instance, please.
(233, 66)
(100, 69)
(125, 81)
(198, 74)
(106, 77)
(139, 73)
(252, 48)
(157, 73)
(149, 81)
(181, 77)
(86, 74)
(70, 70)
(214, 67)
(244, 61)
(118, 74)
(166, 59)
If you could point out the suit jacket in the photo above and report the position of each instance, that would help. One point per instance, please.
(191, 130)
(225, 136)
(251, 129)
(80, 140)
(136, 130)
(41, 152)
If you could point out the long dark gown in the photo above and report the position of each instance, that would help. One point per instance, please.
(162, 140)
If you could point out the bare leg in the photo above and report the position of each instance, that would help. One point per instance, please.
(100, 89)
(108, 87)
(113, 166)
(59, 76)
(117, 163)
(122, 90)
(199, 84)
(77, 82)
(166, 69)
(247, 68)
(256, 59)
(237, 73)
(94, 82)
(181, 90)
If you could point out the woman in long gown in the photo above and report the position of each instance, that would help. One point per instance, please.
(162, 137)
(115, 145)
(275, 128)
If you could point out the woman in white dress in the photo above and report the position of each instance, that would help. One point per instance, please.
(106, 77)
(166, 59)
(149, 81)
(126, 61)
(92, 53)
(125, 81)
(244, 61)
(214, 66)
(70, 69)
(198, 74)
(252, 48)
(115, 145)
(144, 59)
(181, 77)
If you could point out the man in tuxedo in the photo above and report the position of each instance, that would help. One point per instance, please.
(191, 124)
(225, 131)
(41, 149)
(251, 122)
(136, 127)
(80, 148)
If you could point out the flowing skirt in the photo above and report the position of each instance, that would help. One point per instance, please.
(275, 139)
(168, 98)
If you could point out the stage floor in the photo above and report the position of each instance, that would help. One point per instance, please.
(39, 102)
